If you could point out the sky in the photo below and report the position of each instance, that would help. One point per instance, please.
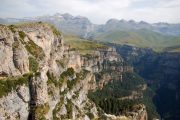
(97, 11)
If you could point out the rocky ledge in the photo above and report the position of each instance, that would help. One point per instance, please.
(41, 78)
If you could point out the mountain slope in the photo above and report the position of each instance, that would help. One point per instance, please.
(157, 36)
(139, 38)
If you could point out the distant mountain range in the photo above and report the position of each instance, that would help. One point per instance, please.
(158, 36)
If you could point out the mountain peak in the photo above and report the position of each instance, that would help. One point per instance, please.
(112, 21)
(67, 16)
(143, 22)
(131, 21)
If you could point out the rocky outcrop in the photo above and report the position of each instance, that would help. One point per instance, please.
(7, 66)
(57, 87)
(41, 78)
(139, 113)
(15, 104)
(104, 59)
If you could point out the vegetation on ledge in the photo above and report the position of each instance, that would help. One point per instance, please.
(11, 83)
(22, 35)
(34, 49)
(82, 45)
(55, 31)
(41, 110)
(33, 64)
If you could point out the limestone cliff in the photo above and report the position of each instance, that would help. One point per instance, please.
(41, 78)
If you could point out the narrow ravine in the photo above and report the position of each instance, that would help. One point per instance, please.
(33, 98)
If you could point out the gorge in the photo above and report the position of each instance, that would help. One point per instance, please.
(121, 70)
(42, 78)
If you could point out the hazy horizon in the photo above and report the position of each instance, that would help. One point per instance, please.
(97, 11)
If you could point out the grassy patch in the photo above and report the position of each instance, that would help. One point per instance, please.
(41, 110)
(55, 31)
(69, 107)
(140, 38)
(31, 47)
(58, 108)
(34, 49)
(12, 28)
(22, 35)
(10, 83)
(68, 73)
(82, 45)
(33, 64)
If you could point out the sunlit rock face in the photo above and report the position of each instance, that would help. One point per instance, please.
(41, 78)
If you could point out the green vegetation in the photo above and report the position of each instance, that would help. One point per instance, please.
(82, 45)
(140, 38)
(15, 44)
(33, 64)
(55, 31)
(61, 63)
(69, 107)
(58, 108)
(64, 77)
(34, 49)
(148, 102)
(108, 98)
(90, 115)
(82, 74)
(31, 24)
(51, 79)
(12, 28)
(11, 83)
(41, 110)
(22, 35)
(68, 72)
(117, 107)
(118, 89)
(30, 46)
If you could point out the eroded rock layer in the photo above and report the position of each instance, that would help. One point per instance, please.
(41, 78)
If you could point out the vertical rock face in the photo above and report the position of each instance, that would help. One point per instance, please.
(7, 66)
(40, 78)
(15, 104)
(20, 57)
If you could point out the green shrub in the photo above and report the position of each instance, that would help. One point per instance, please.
(22, 35)
(35, 50)
(55, 31)
(90, 115)
(33, 64)
(58, 108)
(42, 110)
(69, 107)
(68, 73)
(12, 28)
(10, 83)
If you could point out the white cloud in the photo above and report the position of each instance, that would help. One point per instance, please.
(98, 11)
